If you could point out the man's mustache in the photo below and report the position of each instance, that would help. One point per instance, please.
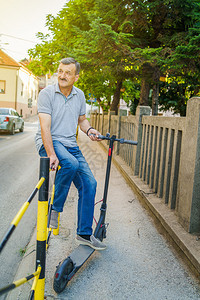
(63, 79)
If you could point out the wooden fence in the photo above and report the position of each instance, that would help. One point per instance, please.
(167, 157)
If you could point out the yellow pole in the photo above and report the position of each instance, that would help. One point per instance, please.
(56, 231)
(42, 227)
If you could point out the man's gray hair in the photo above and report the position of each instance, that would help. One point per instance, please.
(70, 60)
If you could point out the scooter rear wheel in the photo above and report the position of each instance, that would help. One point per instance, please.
(61, 275)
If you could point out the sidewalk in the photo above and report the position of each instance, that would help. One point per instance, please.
(138, 263)
(33, 118)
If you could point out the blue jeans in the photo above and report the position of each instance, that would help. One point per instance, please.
(74, 168)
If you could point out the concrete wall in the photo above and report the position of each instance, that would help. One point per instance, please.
(189, 184)
(167, 157)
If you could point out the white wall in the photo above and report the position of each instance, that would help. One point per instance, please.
(27, 88)
(9, 75)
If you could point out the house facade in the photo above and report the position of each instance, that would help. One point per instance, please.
(18, 86)
(47, 79)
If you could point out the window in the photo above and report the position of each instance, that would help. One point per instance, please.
(30, 102)
(22, 89)
(4, 111)
(2, 86)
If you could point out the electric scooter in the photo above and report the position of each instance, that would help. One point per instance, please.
(70, 265)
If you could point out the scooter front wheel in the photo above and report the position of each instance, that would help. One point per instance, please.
(61, 275)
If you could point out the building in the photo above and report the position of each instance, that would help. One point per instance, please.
(18, 86)
(47, 79)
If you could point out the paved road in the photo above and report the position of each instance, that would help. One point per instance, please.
(18, 177)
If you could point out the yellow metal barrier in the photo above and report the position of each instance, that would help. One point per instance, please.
(19, 282)
(56, 231)
(49, 229)
(20, 214)
(42, 227)
(35, 284)
(43, 231)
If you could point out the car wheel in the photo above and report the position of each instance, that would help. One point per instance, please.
(12, 131)
(22, 128)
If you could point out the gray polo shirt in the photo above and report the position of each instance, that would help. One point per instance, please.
(64, 112)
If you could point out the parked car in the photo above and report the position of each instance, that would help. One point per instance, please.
(10, 120)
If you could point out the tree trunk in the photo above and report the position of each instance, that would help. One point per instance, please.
(144, 94)
(147, 72)
(155, 99)
(116, 97)
(100, 103)
(155, 94)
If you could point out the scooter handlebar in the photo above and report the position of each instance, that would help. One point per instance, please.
(121, 141)
(102, 137)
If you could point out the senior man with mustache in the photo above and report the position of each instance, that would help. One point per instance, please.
(61, 107)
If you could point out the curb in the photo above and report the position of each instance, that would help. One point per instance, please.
(32, 118)
(185, 244)
(26, 267)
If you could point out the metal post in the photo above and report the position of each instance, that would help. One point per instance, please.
(98, 229)
(42, 227)
(102, 123)
(95, 126)
(56, 231)
(118, 132)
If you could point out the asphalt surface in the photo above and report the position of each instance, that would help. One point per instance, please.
(138, 263)
(18, 177)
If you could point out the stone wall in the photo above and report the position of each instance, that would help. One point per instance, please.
(167, 157)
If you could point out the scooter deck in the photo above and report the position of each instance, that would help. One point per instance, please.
(80, 255)
(67, 268)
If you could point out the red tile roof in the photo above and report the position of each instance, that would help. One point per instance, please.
(6, 60)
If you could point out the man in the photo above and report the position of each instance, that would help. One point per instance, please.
(61, 108)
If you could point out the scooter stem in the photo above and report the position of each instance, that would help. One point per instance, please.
(104, 205)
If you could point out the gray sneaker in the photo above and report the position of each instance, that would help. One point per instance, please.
(54, 219)
(93, 243)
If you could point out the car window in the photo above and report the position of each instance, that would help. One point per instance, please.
(4, 111)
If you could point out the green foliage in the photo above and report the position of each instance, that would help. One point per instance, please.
(115, 40)
(176, 91)
(98, 83)
(131, 94)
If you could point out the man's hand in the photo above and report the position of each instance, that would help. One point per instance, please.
(86, 127)
(93, 134)
(54, 162)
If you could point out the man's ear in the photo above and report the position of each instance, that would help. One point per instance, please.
(77, 77)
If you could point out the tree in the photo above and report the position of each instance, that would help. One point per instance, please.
(119, 40)
(165, 35)
(175, 92)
